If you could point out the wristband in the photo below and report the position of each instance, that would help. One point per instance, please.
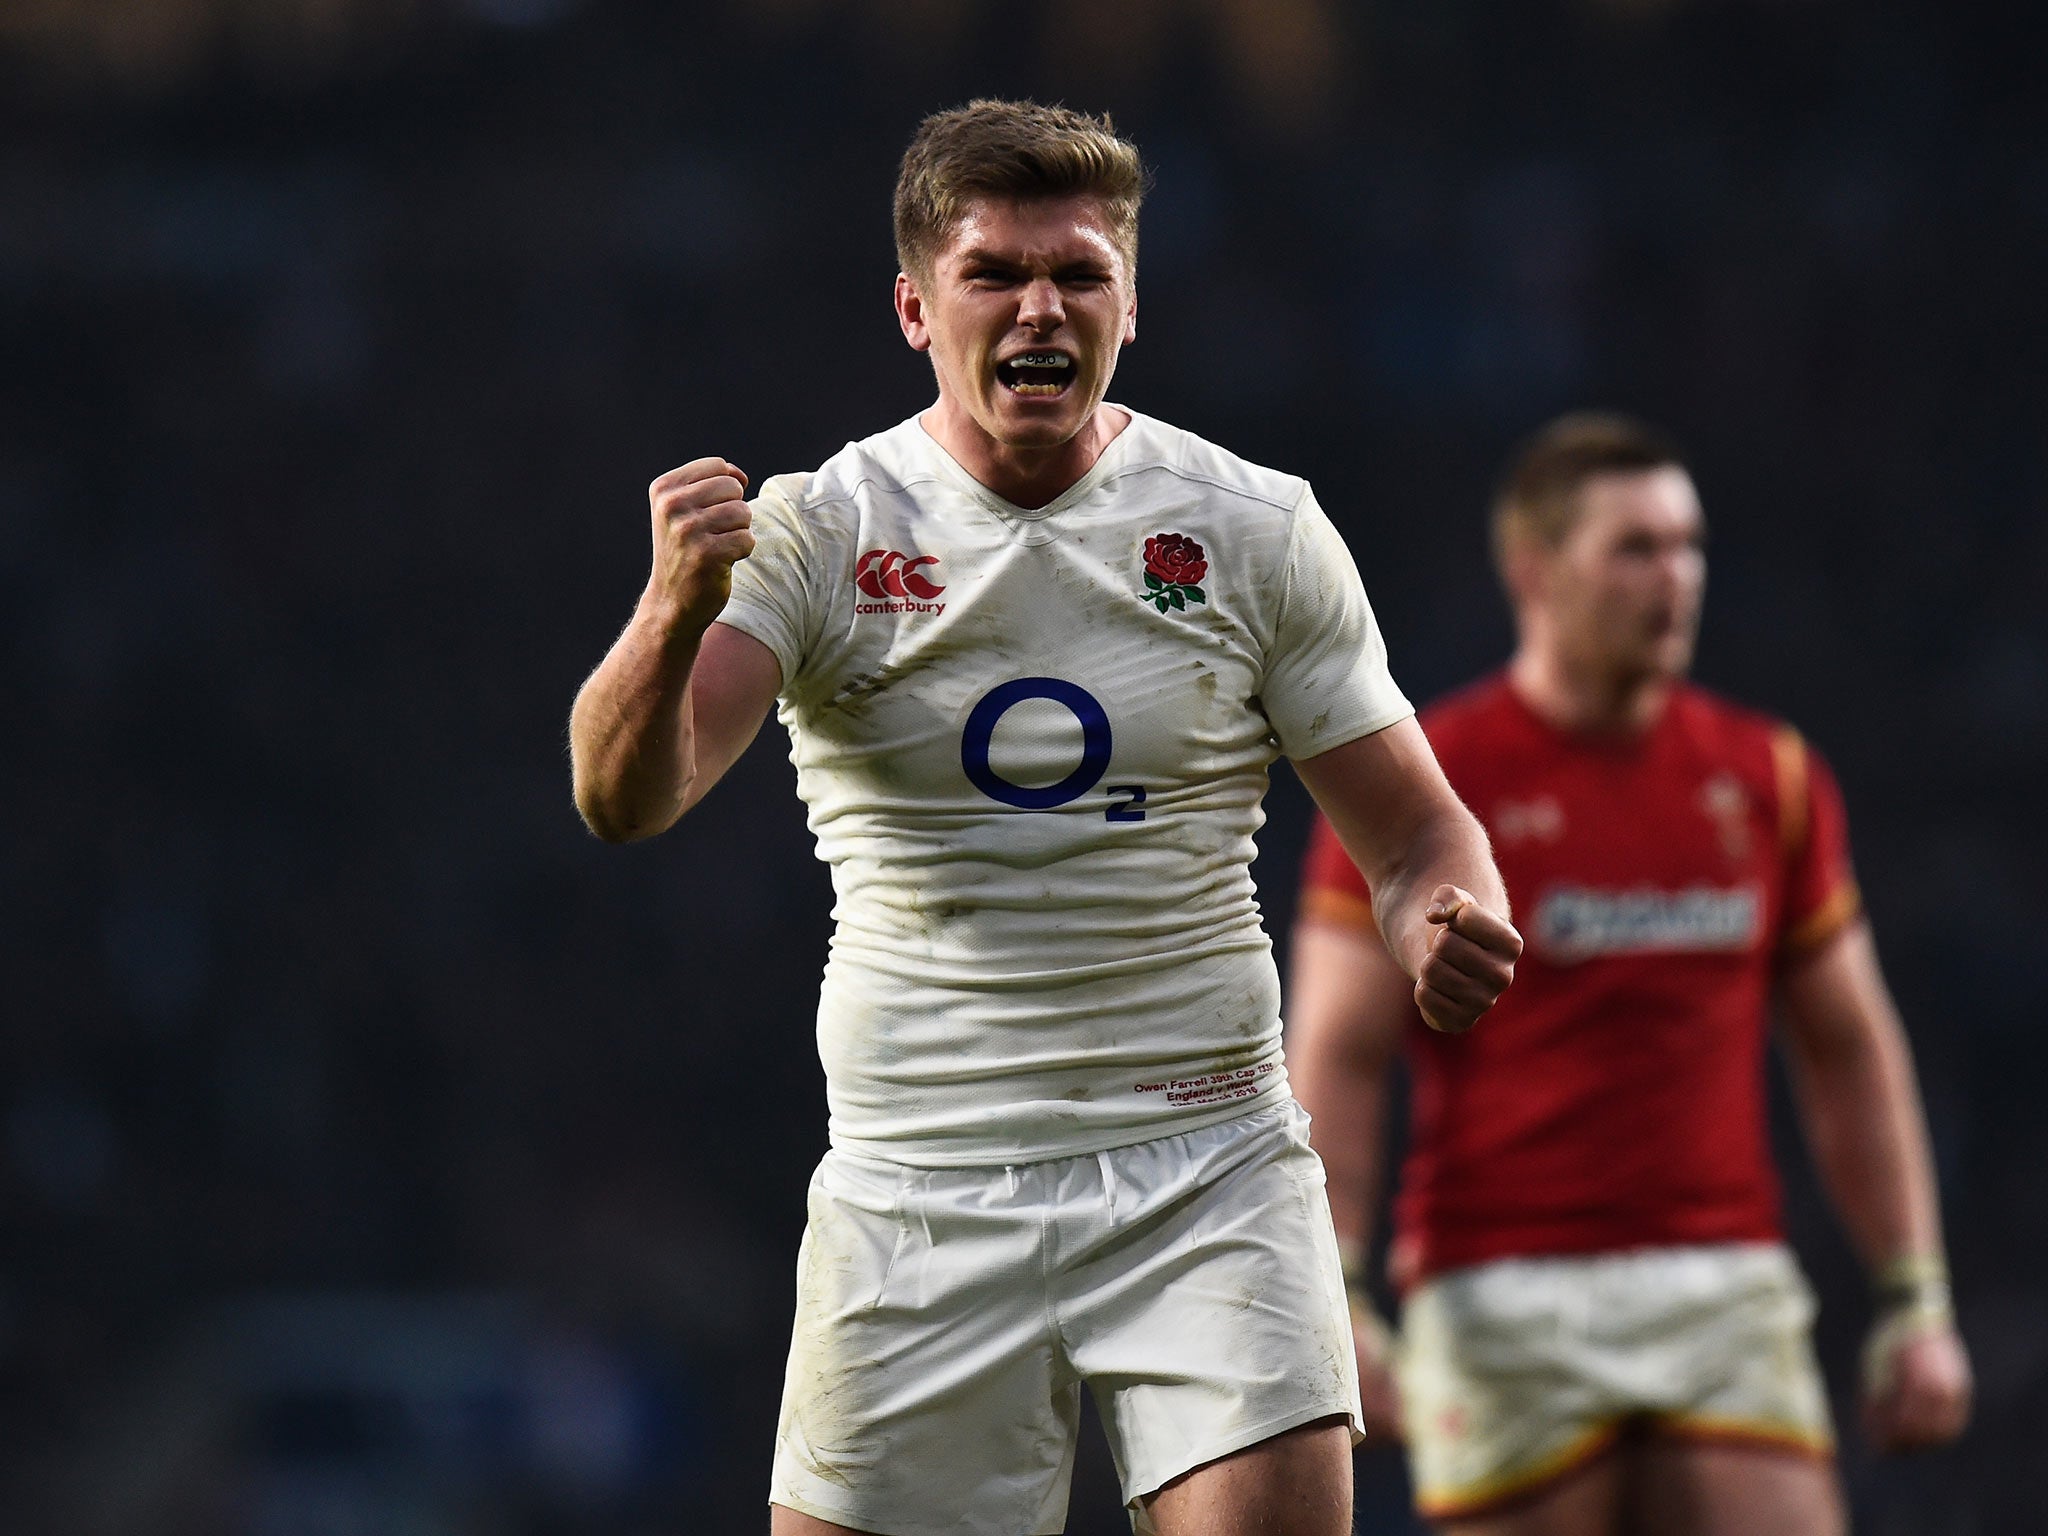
(1914, 1285)
(1911, 1297)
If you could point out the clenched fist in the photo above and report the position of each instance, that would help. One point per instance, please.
(701, 527)
(1471, 960)
(1916, 1381)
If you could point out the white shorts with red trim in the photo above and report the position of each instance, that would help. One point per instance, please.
(948, 1319)
(1514, 1373)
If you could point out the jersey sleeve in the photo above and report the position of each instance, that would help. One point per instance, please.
(1332, 889)
(1821, 897)
(1326, 677)
(774, 590)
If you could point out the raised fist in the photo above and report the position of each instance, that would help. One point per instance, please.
(701, 527)
(1471, 960)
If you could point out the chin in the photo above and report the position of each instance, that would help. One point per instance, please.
(1036, 430)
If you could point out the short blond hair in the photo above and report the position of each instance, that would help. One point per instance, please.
(1538, 497)
(1012, 149)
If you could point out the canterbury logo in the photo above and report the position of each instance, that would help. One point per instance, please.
(884, 573)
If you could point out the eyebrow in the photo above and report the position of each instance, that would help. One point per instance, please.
(985, 257)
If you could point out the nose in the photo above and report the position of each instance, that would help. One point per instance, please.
(1040, 306)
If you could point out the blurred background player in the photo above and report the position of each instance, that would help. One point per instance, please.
(1035, 653)
(1602, 1330)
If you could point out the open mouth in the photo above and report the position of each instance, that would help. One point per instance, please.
(1040, 375)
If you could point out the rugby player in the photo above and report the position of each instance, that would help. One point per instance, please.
(1035, 653)
(1602, 1329)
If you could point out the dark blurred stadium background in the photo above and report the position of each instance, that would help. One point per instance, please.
(379, 1153)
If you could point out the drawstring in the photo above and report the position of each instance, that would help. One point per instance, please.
(1108, 1182)
(1011, 1170)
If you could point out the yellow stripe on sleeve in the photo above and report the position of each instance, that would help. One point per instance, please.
(1340, 909)
(1788, 758)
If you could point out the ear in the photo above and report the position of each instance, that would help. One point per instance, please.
(910, 314)
(1524, 566)
(1131, 320)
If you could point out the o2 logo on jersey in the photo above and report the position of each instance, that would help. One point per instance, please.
(979, 734)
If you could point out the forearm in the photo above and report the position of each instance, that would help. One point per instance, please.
(1853, 1072)
(1347, 1008)
(1450, 848)
(631, 742)
(1869, 1141)
(1349, 1109)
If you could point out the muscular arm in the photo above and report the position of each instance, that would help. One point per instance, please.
(1436, 895)
(1347, 1003)
(661, 719)
(678, 697)
(1852, 1071)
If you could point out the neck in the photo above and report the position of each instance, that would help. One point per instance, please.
(1584, 700)
(1024, 476)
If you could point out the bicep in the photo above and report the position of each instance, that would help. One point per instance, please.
(1835, 998)
(733, 683)
(1379, 792)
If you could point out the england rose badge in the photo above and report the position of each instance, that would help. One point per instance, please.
(1174, 568)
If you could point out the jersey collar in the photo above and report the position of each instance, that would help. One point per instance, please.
(1105, 465)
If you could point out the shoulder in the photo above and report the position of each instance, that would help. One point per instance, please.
(887, 464)
(1171, 456)
(1720, 726)
(1759, 748)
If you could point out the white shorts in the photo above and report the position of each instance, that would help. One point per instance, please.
(1515, 1372)
(947, 1319)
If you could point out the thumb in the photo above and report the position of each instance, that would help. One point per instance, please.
(1445, 903)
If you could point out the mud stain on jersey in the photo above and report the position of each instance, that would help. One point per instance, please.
(855, 692)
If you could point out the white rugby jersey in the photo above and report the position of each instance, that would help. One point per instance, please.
(1033, 744)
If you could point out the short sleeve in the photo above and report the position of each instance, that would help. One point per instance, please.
(1821, 897)
(1326, 677)
(773, 588)
(1332, 889)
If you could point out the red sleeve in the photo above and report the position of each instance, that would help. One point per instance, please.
(1332, 889)
(1821, 898)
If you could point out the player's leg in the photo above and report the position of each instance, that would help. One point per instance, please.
(1586, 1501)
(1297, 1483)
(1514, 1423)
(1747, 1448)
(1201, 1298)
(784, 1521)
(925, 1394)
(1677, 1488)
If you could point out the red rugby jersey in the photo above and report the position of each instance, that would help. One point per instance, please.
(1614, 1097)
